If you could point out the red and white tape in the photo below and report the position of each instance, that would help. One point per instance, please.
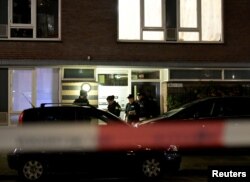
(77, 136)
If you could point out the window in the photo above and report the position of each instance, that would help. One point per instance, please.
(145, 74)
(78, 74)
(47, 85)
(170, 20)
(113, 79)
(237, 74)
(195, 74)
(3, 18)
(31, 87)
(30, 19)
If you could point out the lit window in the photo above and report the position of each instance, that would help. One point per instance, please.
(170, 20)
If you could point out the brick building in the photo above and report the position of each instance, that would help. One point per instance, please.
(50, 48)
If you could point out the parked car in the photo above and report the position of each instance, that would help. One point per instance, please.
(34, 165)
(203, 113)
(228, 107)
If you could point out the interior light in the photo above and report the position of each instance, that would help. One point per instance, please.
(86, 87)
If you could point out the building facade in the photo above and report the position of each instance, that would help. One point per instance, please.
(52, 48)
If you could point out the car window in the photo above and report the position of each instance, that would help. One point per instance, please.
(69, 114)
(202, 109)
(50, 114)
(234, 107)
(83, 115)
(92, 116)
(74, 114)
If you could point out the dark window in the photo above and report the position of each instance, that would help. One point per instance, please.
(237, 74)
(22, 11)
(47, 19)
(195, 74)
(71, 73)
(171, 23)
(3, 12)
(21, 32)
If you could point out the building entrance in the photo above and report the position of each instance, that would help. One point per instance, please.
(151, 91)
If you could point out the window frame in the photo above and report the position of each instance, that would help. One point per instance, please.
(32, 25)
(178, 27)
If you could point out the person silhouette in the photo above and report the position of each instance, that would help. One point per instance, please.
(113, 106)
(82, 99)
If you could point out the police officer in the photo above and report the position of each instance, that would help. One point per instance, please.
(82, 99)
(113, 106)
(143, 101)
(132, 110)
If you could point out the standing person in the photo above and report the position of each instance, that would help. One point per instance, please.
(143, 101)
(132, 110)
(113, 106)
(82, 99)
(154, 107)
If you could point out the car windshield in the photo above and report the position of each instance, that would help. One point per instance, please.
(110, 118)
(177, 110)
(173, 112)
(169, 113)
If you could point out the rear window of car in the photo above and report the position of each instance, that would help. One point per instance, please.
(235, 107)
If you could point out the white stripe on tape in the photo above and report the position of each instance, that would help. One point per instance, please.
(49, 137)
(237, 133)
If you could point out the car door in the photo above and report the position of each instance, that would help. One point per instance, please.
(64, 161)
(108, 162)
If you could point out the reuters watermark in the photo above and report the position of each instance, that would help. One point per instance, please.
(229, 173)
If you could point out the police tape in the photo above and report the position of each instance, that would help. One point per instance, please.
(201, 134)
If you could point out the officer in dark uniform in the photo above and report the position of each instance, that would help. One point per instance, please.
(143, 101)
(132, 110)
(113, 106)
(82, 99)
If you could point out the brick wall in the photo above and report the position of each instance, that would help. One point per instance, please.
(89, 27)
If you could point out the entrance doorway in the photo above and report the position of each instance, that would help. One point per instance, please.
(151, 91)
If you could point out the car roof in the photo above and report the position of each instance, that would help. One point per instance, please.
(214, 98)
(87, 108)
